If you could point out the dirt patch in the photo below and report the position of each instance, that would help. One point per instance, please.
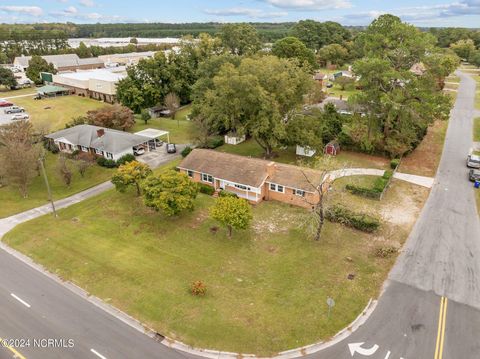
(277, 222)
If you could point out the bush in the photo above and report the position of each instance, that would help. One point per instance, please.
(387, 175)
(86, 156)
(224, 193)
(215, 142)
(364, 191)
(104, 162)
(50, 146)
(74, 154)
(360, 221)
(206, 189)
(198, 288)
(125, 159)
(394, 163)
(385, 252)
(186, 151)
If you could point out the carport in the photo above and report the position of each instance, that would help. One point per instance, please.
(153, 134)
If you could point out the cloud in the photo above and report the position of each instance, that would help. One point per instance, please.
(28, 10)
(71, 10)
(239, 11)
(87, 3)
(310, 4)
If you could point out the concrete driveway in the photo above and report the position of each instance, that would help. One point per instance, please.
(160, 156)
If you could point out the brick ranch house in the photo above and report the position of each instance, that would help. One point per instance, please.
(253, 179)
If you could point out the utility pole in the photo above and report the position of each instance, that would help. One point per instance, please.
(48, 187)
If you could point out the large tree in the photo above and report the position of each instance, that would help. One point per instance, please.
(240, 39)
(333, 54)
(316, 34)
(256, 98)
(292, 48)
(18, 155)
(170, 192)
(116, 116)
(7, 78)
(232, 212)
(463, 48)
(131, 174)
(36, 65)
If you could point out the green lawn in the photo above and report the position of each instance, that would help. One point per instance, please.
(346, 159)
(336, 91)
(12, 201)
(477, 98)
(267, 286)
(52, 114)
(9, 93)
(476, 129)
(181, 130)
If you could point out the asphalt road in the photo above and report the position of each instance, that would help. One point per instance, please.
(441, 260)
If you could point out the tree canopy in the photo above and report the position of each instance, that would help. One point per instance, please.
(232, 212)
(240, 39)
(292, 48)
(131, 174)
(116, 116)
(316, 34)
(37, 65)
(7, 78)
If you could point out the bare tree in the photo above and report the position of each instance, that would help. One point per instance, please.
(64, 170)
(172, 103)
(83, 166)
(18, 155)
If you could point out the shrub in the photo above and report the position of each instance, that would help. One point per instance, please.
(360, 221)
(364, 191)
(50, 146)
(104, 162)
(186, 151)
(74, 154)
(206, 189)
(385, 252)
(387, 175)
(394, 163)
(224, 193)
(215, 142)
(198, 288)
(125, 159)
(86, 156)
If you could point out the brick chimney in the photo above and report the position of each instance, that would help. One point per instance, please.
(271, 169)
(100, 132)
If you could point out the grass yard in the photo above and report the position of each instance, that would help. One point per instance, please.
(6, 93)
(424, 160)
(346, 159)
(477, 97)
(267, 286)
(476, 129)
(12, 201)
(61, 110)
(181, 131)
(336, 91)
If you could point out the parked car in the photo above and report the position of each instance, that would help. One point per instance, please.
(4, 103)
(473, 161)
(329, 85)
(14, 109)
(171, 148)
(20, 116)
(158, 143)
(138, 151)
(474, 175)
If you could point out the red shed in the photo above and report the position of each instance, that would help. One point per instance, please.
(332, 148)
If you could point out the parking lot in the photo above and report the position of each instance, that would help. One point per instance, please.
(6, 119)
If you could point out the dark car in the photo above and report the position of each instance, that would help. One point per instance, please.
(171, 148)
(474, 175)
(329, 85)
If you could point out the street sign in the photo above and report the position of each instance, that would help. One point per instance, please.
(331, 304)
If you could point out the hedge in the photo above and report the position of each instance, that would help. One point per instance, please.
(102, 161)
(394, 163)
(186, 151)
(360, 221)
(206, 189)
(125, 159)
(224, 193)
(375, 191)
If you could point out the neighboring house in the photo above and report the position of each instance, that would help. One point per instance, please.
(127, 59)
(320, 78)
(343, 107)
(338, 74)
(111, 144)
(67, 62)
(253, 179)
(100, 84)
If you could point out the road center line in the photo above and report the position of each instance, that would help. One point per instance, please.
(442, 316)
(20, 300)
(98, 354)
(13, 350)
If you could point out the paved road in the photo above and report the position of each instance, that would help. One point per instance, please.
(441, 259)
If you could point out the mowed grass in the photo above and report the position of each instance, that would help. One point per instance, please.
(345, 159)
(476, 129)
(181, 130)
(6, 93)
(424, 160)
(12, 201)
(52, 114)
(267, 286)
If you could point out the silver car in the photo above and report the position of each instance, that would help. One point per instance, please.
(473, 161)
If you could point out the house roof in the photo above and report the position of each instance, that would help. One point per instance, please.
(320, 76)
(112, 141)
(97, 74)
(250, 171)
(59, 61)
(152, 133)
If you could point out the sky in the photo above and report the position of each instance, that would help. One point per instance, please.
(428, 13)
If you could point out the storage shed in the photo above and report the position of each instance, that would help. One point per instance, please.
(332, 148)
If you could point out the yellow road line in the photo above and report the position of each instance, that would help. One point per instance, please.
(442, 319)
(13, 350)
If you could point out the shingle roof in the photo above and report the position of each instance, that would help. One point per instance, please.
(112, 141)
(58, 61)
(250, 171)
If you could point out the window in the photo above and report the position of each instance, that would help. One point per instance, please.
(98, 152)
(207, 178)
(277, 188)
(299, 192)
(190, 173)
(109, 155)
(84, 149)
(241, 186)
